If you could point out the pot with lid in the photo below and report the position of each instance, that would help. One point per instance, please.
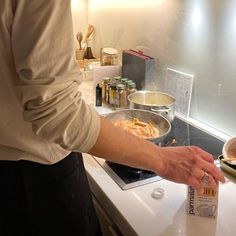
(161, 103)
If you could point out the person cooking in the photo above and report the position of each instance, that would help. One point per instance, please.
(45, 125)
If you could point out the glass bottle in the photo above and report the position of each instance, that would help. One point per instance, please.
(118, 79)
(112, 94)
(121, 98)
(98, 95)
(105, 82)
(124, 80)
(131, 89)
(109, 56)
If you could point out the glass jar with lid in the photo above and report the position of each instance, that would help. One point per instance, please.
(131, 88)
(127, 82)
(118, 79)
(124, 80)
(112, 94)
(121, 98)
(109, 56)
(105, 82)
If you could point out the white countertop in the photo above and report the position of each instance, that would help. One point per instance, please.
(135, 212)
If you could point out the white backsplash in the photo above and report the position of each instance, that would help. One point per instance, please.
(193, 36)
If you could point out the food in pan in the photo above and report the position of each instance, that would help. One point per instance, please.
(138, 128)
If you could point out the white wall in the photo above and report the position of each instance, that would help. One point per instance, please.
(193, 36)
(79, 16)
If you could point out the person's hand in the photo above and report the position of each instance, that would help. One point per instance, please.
(188, 165)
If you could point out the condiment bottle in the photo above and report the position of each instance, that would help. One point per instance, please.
(98, 95)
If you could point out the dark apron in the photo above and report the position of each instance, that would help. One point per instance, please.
(38, 199)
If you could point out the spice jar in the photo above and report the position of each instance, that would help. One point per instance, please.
(118, 77)
(124, 80)
(112, 94)
(131, 88)
(107, 95)
(121, 98)
(105, 82)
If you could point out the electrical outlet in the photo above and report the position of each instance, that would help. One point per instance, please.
(179, 85)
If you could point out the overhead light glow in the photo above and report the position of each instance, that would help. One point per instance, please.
(78, 5)
(96, 4)
(74, 4)
(196, 18)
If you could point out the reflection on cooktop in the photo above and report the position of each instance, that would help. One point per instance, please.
(129, 174)
(188, 135)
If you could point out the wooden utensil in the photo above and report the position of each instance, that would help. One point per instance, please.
(79, 37)
(88, 35)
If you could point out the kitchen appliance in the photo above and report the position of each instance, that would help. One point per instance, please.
(138, 67)
(161, 103)
(182, 133)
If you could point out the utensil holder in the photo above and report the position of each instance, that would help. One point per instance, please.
(79, 54)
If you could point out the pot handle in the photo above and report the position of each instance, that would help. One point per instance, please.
(161, 110)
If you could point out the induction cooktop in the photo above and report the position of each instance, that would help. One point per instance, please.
(182, 133)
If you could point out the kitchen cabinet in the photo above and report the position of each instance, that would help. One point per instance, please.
(107, 225)
(134, 211)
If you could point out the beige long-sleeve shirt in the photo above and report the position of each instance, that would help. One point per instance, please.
(42, 114)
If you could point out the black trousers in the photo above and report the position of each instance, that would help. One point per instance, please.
(43, 200)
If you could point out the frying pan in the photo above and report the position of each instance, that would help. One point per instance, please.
(158, 121)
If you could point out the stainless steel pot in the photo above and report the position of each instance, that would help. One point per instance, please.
(161, 103)
(158, 121)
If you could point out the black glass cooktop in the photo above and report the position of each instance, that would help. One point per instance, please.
(181, 134)
(187, 135)
(129, 174)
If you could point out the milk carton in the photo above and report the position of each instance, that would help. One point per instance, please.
(205, 204)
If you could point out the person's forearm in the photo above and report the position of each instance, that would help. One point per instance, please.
(117, 145)
(180, 164)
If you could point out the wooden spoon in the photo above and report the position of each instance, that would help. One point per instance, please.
(88, 35)
(79, 37)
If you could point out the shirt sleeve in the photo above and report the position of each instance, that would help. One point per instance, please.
(47, 87)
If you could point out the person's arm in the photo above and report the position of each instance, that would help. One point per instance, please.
(47, 88)
(180, 164)
(48, 75)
